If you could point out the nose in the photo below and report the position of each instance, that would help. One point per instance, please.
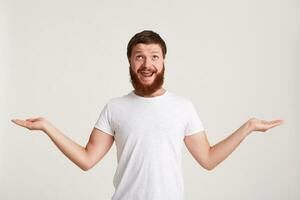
(147, 62)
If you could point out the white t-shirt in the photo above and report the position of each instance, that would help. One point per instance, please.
(149, 135)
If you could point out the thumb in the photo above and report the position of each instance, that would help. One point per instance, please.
(35, 119)
(32, 119)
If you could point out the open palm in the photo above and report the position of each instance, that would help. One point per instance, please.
(32, 123)
(263, 125)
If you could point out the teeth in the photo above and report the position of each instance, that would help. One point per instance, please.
(147, 74)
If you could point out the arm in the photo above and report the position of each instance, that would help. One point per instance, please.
(84, 157)
(209, 157)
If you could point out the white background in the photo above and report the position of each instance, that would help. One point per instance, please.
(64, 60)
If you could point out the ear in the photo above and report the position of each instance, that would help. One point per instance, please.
(130, 67)
(129, 61)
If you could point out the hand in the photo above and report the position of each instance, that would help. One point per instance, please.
(32, 123)
(262, 125)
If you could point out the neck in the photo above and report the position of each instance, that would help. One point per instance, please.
(158, 92)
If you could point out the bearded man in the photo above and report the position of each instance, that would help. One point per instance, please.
(149, 126)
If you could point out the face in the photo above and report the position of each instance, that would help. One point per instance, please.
(146, 68)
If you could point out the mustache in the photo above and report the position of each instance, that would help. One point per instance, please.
(147, 69)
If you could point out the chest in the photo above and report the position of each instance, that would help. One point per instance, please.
(149, 121)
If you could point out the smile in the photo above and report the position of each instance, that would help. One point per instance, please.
(146, 74)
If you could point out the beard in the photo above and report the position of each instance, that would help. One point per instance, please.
(147, 89)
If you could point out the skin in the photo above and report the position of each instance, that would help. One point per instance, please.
(147, 57)
(150, 58)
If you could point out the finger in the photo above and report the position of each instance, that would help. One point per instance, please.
(275, 123)
(265, 122)
(278, 121)
(20, 122)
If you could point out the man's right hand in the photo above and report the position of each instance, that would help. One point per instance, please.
(84, 157)
(38, 123)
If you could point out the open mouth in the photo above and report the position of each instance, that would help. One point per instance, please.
(146, 74)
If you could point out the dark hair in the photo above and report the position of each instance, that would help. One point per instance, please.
(146, 37)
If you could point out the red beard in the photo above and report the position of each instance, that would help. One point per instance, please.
(143, 89)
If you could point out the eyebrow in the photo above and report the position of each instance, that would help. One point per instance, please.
(139, 51)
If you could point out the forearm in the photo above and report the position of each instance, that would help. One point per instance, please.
(223, 149)
(76, 153)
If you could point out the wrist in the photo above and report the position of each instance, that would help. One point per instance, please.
(46, 127)
(247, 128)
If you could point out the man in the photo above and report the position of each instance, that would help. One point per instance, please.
(149, 126)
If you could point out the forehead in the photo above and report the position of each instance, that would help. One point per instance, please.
(147, 48)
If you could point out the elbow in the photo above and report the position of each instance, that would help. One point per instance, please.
(88, 164)
(85, 167)
(208, 166)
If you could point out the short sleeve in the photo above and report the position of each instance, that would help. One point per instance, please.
(194, 123)
(104, 121)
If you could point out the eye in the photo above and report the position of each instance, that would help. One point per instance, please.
(155, 57)
(139, 57)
